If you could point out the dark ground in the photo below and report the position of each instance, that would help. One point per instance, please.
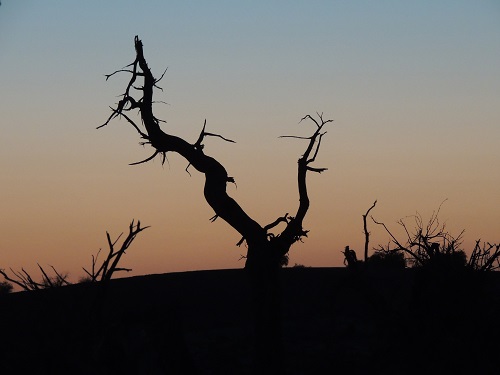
(334, 321)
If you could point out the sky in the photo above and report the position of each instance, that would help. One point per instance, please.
(413, 88)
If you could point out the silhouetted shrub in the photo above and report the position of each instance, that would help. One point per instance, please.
(455, 260)
(387, 259)
(84, 280)
(5, 287)
(283, 262)
(431, 246)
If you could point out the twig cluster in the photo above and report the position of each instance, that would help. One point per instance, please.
(485, 256)
(425, 242)
(24, 280)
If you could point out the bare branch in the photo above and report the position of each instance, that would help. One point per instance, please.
(88, 273)
(143, 135)
(317, 148)
(365, 229)
(147, 159)
(397, 243)
(61, 279)
(46, 279)
(485, 257)
(25, 279)
(294, 231)
(198, 144)
(159, 79)
(283, 219)
(119, 71)
(220, 136)
(123, 269)
(293, 136)
(20, 284)
(310, 118)
(317, 170)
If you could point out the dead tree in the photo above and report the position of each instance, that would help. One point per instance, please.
(365, 229)
(110, 265)
(265, 251)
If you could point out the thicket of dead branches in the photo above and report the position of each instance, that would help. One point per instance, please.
(485, 256)
(26, 282)
(102, 272)
(429, 244)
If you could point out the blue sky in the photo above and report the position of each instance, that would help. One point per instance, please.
(413, 87)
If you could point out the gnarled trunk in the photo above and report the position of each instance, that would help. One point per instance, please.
(266, 251)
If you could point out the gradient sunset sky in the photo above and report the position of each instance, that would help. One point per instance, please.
(413, 88)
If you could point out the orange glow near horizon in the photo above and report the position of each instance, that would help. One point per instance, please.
(412, 89)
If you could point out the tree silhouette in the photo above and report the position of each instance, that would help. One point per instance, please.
(265, 251)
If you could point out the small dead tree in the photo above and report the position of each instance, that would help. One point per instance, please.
(110, 265)
(350, 256)
(365, 229)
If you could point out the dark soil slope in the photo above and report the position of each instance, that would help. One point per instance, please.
(333, 320)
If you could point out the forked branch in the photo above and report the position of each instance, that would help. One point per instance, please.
(294, 231)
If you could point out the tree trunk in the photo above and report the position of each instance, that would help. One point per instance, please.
(266, 295)
(265, 250)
